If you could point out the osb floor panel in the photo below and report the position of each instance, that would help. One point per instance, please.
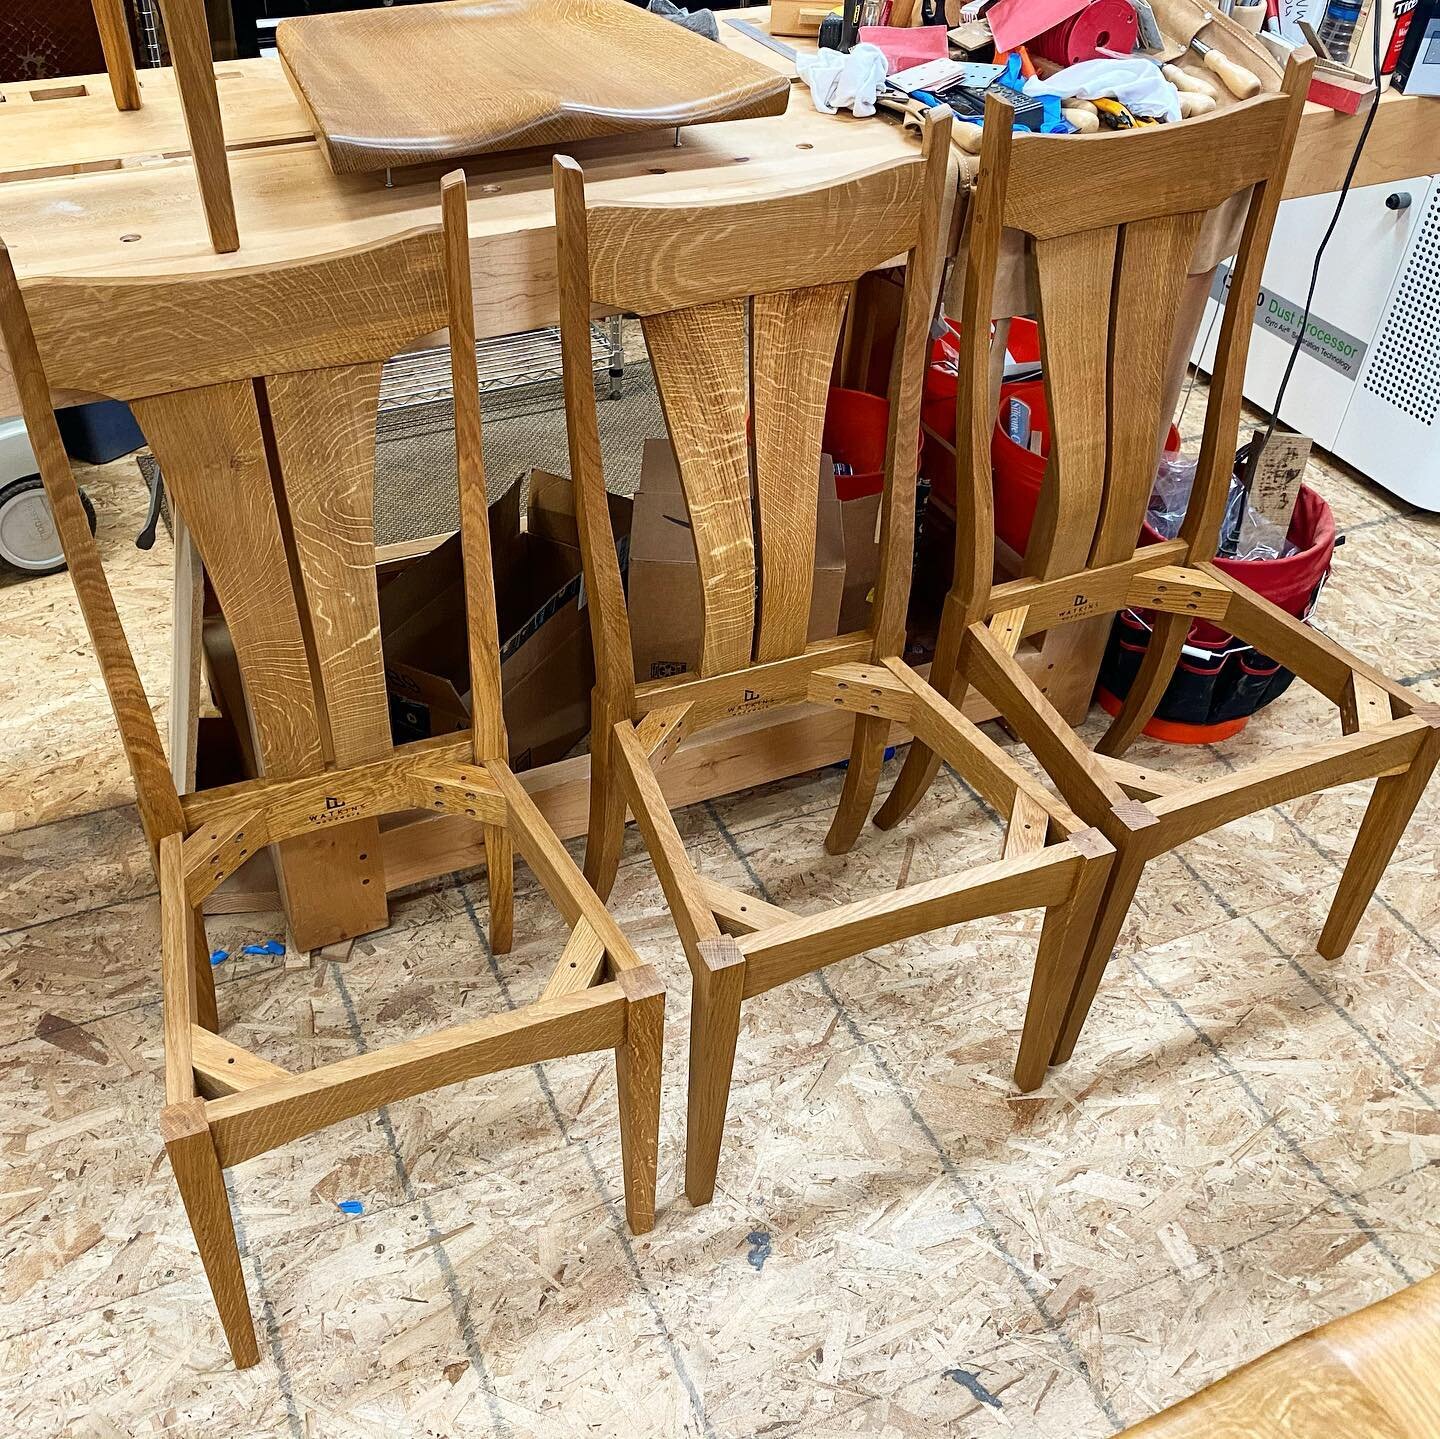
(1244, 1145)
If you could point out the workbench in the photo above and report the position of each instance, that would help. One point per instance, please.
(88, 190)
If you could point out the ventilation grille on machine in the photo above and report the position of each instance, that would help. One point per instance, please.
(1404, 369)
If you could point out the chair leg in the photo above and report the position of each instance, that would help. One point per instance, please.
(637, 1071)
(922, 764)
(605, 836)
(1157, 669)
(1064, 941)
(202, 1189)
(867, 757)
(500, 877)
(207, 1014)
(719, 983)
(1392, 802)
(1120, 889)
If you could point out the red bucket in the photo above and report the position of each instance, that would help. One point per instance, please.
(937, 404)
(1287, 582)
(857, 424)
(1208, 700)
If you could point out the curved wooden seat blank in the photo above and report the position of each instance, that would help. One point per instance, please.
(416, 84)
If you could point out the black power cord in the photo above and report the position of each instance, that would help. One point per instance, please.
(1329, 231)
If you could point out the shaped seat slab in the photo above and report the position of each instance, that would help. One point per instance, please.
(417, 84)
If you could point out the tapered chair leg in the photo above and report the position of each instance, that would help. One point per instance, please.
(862, 777)
(637, 1071)
(1064, 944)
(1392, 802)
(1115, 903)
(605, 835)
(719, 983)
(1152, 679)
(500, 878)
(202, 1189)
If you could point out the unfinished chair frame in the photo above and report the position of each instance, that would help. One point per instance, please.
(1108, 273)
(260, 406)
(697, 276)
(188, 37)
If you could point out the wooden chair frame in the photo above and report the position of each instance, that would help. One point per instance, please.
(223, 1104)
(1106, 273)
(784, 267)
(188, 36)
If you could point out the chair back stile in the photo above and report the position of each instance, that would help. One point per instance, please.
(258, 390)
(1111, 223)
(742, 307)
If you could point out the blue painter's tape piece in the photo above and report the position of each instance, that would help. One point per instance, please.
(271, 946)
(971, 1382)
(350, 1206)
(219, 956)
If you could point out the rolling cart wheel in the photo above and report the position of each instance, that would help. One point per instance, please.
(29, 541)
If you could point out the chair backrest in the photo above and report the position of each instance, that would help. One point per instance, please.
(741, 304)
(257, 389)
(1110, 222)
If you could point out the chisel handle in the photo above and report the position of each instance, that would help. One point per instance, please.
(1239, 82)
(1184, 80)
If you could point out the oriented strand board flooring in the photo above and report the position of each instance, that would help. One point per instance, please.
(1245, 1144)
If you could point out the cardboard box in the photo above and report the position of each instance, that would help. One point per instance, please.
(664, 587)
(860, 520)
(547, 666)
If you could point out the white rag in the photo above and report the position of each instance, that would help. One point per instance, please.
(845, 82)
(1136, 83)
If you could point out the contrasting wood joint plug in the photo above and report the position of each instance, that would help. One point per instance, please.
(720, 954)
(1092, 844)
(1133, 815)
(641, 984)
(1428, 714)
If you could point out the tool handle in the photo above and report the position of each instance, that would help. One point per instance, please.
(1184, 80)
(1193, 104)
(1239, 82)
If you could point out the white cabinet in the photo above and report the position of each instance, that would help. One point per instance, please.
(1367, 383)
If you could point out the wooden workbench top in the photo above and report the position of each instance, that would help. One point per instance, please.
(86, 189)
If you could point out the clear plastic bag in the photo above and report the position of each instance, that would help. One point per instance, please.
(1170, 496)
